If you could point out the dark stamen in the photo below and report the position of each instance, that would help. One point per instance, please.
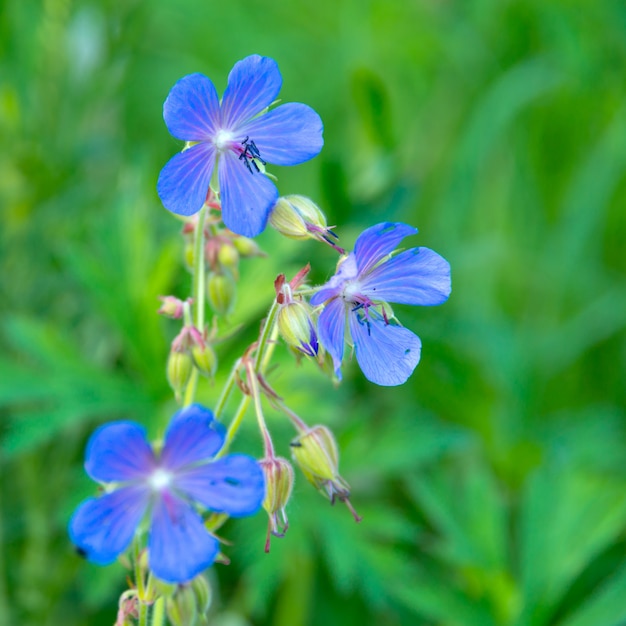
(250, 155)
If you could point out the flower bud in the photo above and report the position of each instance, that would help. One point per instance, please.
(179, 369)
(172, 307)
(202, 591)
(221, 292)
(228, 257)
(296, 327)
(279, 480)
(291, 215)
(128, 608)
(300, 218)
(247, 247)
(316, 453)
(189, 255)
(182, 608)
(204, 358)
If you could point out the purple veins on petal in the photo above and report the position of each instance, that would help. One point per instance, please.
(287, 135)
(119, 452)
(378, 241)
(246, 198)
(179, 546)
(331, 328)
(365, 280)
(346, 271)
(311, 348)
(417, 276)
(192, 436)
(234, 484)
(386, 353)
(184, 180)
(241, 136)
(253, 84)
(192, 109)
(168, 489)
(102, 528)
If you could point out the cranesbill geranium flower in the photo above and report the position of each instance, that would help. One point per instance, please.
(239, 137)
(365, 280)
(166, 488)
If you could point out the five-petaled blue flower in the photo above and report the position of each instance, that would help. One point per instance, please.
(239, 136)
(168, 487)
(365, 280)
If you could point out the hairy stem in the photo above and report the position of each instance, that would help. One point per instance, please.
(198, 297)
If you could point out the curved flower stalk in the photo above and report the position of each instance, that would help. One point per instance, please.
(239, 137)
(368, 278)
(166, 487)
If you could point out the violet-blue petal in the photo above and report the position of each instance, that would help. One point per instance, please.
(346, 270)
(102, 528)
(378, 241)
(253, 84)
(192, 109)
(386, 353)
(179, 547)
(247, 197)
(417, 276)
(233, 484)
(290, 134)
(331, 327)
(192, 436)
(118, 452)
(184, 180)
(310, 347)
(325, 293)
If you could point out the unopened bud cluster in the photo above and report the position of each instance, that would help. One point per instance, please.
(190, 350)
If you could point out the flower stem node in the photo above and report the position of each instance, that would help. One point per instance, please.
(298, 217)
(221, 292)
(279, 479)
(316, 454)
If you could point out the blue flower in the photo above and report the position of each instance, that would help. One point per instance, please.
(365, 280)
(239, 136)
(167, 488)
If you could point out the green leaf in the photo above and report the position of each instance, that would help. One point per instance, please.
(606, 606)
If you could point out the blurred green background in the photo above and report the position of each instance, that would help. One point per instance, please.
(492, 484)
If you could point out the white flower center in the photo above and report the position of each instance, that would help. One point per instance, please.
(223, 140)
(351, 291)
(160, 479)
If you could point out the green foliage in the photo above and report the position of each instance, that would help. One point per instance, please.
(492, 484)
